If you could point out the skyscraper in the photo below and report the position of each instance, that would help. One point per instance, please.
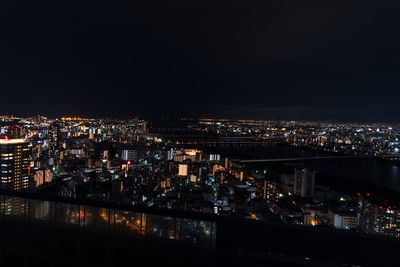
(54, 135)
(304, 182)
(14, 164)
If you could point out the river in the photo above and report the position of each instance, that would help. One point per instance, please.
(383, 174)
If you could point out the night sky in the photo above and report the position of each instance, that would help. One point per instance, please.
(302, 60)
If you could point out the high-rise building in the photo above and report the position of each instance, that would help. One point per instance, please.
(54, 136)
(376, 219)
(14, 164)
(304, 183)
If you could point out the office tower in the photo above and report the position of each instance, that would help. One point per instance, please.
(14, 164)
(304, 182)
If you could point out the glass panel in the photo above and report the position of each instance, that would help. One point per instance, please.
(67, 213)
(197, 232)
(74, 234)
(39, 210)
(160, 226)
(127, 237)
(13, 230)
(67, 236)
(39, 231)
(14, 206)
(96, 218)
(95, 236)
(128, 222)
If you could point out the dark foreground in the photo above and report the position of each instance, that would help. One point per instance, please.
(47, 231)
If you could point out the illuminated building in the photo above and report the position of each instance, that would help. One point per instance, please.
(170, 154)
(54, 135)
(193, 178)
(376, 219)
(14, 164)
(304, 182)
(192, 152)
(215, 157)
(106, 154)
(128, 154)
(183, 170)
(183, 157)
(344, 220)
(217, 167)
(227, 163)
(268, 189)
(187, 154)
(368, 217)
(43, 176)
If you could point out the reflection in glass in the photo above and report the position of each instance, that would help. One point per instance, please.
(33, 213)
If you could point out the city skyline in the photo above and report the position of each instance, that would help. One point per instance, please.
(181, 181)
(200, 133)
(194, 118)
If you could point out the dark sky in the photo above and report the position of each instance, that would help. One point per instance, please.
(323, 60)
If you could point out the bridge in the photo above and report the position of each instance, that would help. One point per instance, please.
(303, 159)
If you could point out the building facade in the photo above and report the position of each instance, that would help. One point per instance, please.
(304, 183)
(15, 164)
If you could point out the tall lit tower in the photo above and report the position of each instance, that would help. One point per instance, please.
(14, 164)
